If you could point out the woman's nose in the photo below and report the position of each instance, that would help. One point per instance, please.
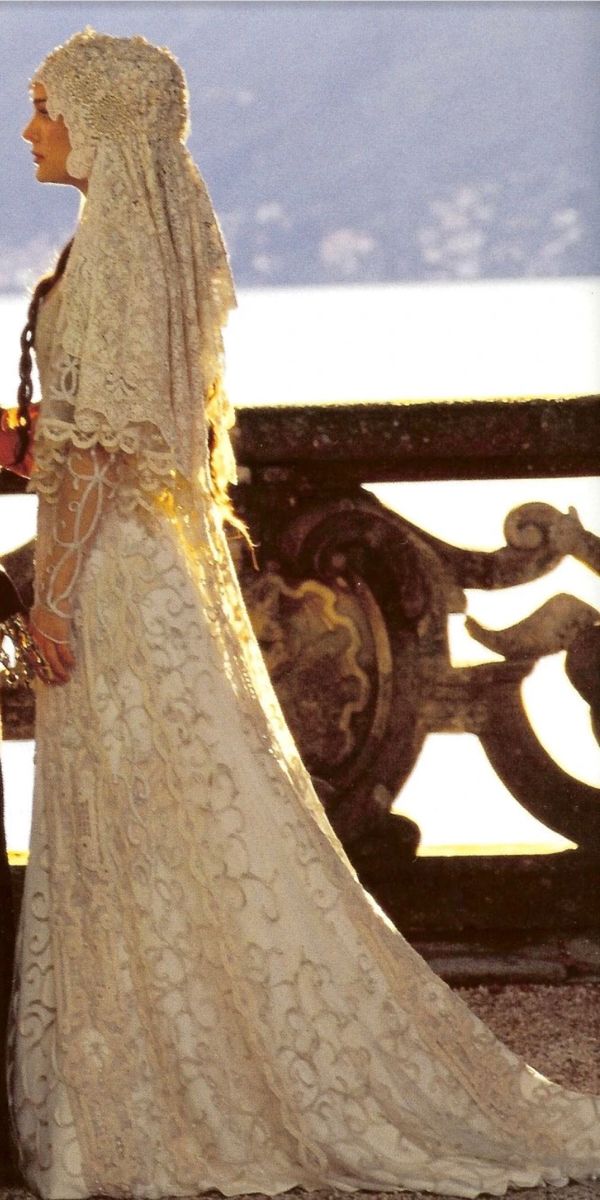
(27, 134)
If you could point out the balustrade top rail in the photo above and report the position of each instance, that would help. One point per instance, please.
(465, 439)
(403, 440)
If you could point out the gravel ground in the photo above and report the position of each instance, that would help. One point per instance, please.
(555, 1027)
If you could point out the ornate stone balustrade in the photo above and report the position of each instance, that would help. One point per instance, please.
(351, 605)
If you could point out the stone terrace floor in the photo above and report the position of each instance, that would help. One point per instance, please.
(555, 1027)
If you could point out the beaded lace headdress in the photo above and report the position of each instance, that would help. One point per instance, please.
(137, 354)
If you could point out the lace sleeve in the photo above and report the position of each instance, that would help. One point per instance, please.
(145, 465)
(71, 525)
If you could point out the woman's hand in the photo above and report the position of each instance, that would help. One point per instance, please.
(51, 634)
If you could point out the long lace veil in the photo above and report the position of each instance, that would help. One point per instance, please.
(137, 361)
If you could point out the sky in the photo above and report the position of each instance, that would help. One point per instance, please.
(352, 142)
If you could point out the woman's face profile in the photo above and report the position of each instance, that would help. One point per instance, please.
(49, 142)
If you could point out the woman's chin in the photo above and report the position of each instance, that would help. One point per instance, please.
(45, 173)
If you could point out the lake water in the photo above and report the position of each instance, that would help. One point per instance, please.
(413, 342)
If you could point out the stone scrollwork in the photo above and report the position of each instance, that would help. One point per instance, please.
(555, 626)
(564, 622)
(351, 610)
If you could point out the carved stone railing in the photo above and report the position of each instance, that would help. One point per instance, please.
(351, 606)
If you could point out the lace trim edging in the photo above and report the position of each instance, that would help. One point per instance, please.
(153, 471)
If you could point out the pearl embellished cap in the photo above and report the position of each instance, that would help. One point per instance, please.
(113, 88)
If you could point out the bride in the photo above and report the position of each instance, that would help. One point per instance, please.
(205, 996)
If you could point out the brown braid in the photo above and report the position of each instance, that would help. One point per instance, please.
(25, 391)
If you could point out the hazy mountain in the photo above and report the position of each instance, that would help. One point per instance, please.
(351, 142)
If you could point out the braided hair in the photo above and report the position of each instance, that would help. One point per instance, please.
(25, 390)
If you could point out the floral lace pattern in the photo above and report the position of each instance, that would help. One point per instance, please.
(206, 997)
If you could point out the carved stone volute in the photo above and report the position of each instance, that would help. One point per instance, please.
(390, 681)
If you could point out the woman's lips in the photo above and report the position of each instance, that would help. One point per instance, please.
(38, 157)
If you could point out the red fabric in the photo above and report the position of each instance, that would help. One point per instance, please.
(9, 442)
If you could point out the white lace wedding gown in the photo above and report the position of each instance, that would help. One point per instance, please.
(206, 996)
